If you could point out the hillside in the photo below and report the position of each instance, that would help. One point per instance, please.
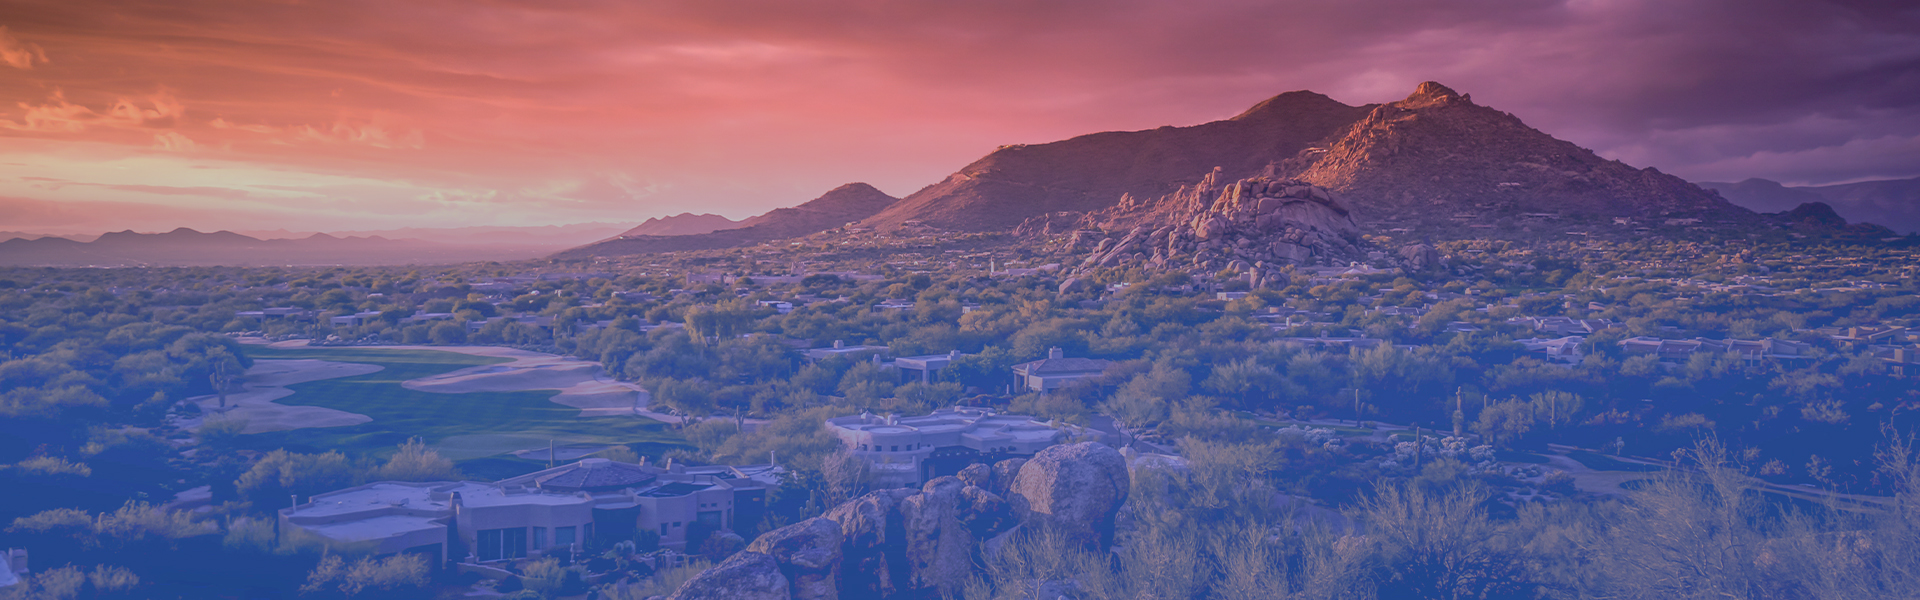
(842, 205)
(683, 224)
(1434, 155)
(1091, 172)
(1894, 203)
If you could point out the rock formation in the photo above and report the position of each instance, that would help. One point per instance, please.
(903, 542)
(1251, 226)
(1074, 490)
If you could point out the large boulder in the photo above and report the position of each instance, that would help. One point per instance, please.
(1073, 490)
(939, 547)
(1003, 474)
(809, 556)
(743, 576)
(873, 548)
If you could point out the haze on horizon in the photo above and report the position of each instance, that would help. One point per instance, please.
(367, 115)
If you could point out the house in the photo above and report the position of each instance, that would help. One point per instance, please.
(906, 451)
(926, 365)
(1680, 350)
(778, 306)
(1563, 326)
(840, 348)
(1229, 295)
(1057, 371)
(1902, 361)
(1564, 350)
(353, 320)
(541, 512)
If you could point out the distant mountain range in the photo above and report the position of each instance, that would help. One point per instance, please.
(187, 247)
(1893, 203)
(838, 207)
(683, 224)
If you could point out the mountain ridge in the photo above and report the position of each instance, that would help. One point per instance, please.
(1392, 162)
(838, 207)
(1892, 203)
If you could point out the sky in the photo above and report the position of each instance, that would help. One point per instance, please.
(355, 115)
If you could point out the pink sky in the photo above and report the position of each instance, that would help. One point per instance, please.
(345, 115)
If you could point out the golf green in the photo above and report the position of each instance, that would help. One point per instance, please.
(461, 426)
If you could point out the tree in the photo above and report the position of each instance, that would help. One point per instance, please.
(416, 462)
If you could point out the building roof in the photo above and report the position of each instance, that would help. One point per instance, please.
(1062, 366)
(594, 475)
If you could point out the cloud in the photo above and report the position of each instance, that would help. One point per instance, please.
(604, 109)
(19, 54)
(172, 141)
(160, 110)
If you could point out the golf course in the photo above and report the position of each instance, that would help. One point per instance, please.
(474, 425)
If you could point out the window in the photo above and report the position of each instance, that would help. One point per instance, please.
(539, 538)
(499, 544)
(563, 536)
(896, 448)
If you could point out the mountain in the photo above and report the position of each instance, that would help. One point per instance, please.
(23, 235)
(1818, 218)
(1091, 172)
(683, 224)
(1431, 156)
(1894, 203)
(838, 207)
(187, 247)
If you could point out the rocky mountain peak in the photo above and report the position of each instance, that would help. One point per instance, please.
(1429, 93)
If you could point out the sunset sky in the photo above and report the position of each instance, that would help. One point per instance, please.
(350, 115)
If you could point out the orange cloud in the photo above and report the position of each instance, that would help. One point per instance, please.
(19, 54)
(57, 114)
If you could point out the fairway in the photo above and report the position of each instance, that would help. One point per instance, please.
(461, 426)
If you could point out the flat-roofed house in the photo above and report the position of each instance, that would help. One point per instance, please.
(906, 451)
(926, 365)
(1057, 371)
(555, 509)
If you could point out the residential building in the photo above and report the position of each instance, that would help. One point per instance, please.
(1680, 350)
(926, 365)
(906, 451)
(840, 348)
(1057, 371)
(537, 513)
(1563, 350)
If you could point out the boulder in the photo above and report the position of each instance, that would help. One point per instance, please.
(977, 475)
(809, 556)
(1073, 490)
(743, 576)
(939, 549)
(1003, 474)
(873, 557)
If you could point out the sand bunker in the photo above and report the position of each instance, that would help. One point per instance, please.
(583, 385)
(266, 383)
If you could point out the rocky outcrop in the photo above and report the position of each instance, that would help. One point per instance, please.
(808, 553)
(1073, 490)
(743, 576)
(1252, 226)
(926, 542)
(873, 534)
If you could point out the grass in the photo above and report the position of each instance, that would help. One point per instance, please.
(1517, 456)
(462, 427)
(1602, 462)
